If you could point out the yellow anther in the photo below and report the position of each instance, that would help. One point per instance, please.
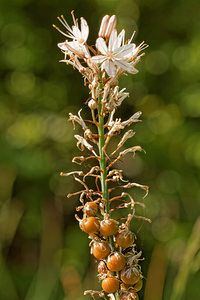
(55, 26)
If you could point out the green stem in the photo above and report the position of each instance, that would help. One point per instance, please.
(102, 163)
(117, 296)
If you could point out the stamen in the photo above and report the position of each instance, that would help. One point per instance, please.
(144, 47)
(72, 13)
(56, 27)
(132, 36)
(64, 23)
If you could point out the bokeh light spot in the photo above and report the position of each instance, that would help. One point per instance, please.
(157, 62)
(22, 84)
(163, 229)
(160, 122)
(13, 35)
(169, 181)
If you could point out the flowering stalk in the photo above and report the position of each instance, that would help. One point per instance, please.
(102, 163)
(112, 242)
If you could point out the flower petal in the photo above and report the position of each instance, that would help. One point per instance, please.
(112, 40)
(109, 67)
(86, 51)
(75, 48)
(120, 39)
(101, 46)
(98, 58)
(63, 46)
(134, 70)
(76, 32)
(123, 51)
(131, 37)
(126, 66)
(84, 29)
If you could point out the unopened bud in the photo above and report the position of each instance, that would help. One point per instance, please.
(88, 134)
(103, 26)
(111, 26)
(92, 104)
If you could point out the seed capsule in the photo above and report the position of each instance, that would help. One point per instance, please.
(116, 262)
(130, 275)
(138, 286)
(108, 227)
(100, 249)
(110, 284)
(90, 225)
(91, 209)
(124, 286)
(125, 238)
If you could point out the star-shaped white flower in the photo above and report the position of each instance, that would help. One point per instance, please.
(78, 37)
(114, 55)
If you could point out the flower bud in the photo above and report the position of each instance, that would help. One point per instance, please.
(103, 26)
(92, 104)
(111, 26)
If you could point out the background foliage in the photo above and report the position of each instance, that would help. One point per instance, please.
(43, 254)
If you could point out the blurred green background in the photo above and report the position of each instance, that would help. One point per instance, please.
(43, 254)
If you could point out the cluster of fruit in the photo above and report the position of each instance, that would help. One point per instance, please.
(113, 247)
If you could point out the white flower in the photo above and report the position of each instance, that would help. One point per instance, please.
(74, 48)
(114, 55)
(74, 33)
(78, 36)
